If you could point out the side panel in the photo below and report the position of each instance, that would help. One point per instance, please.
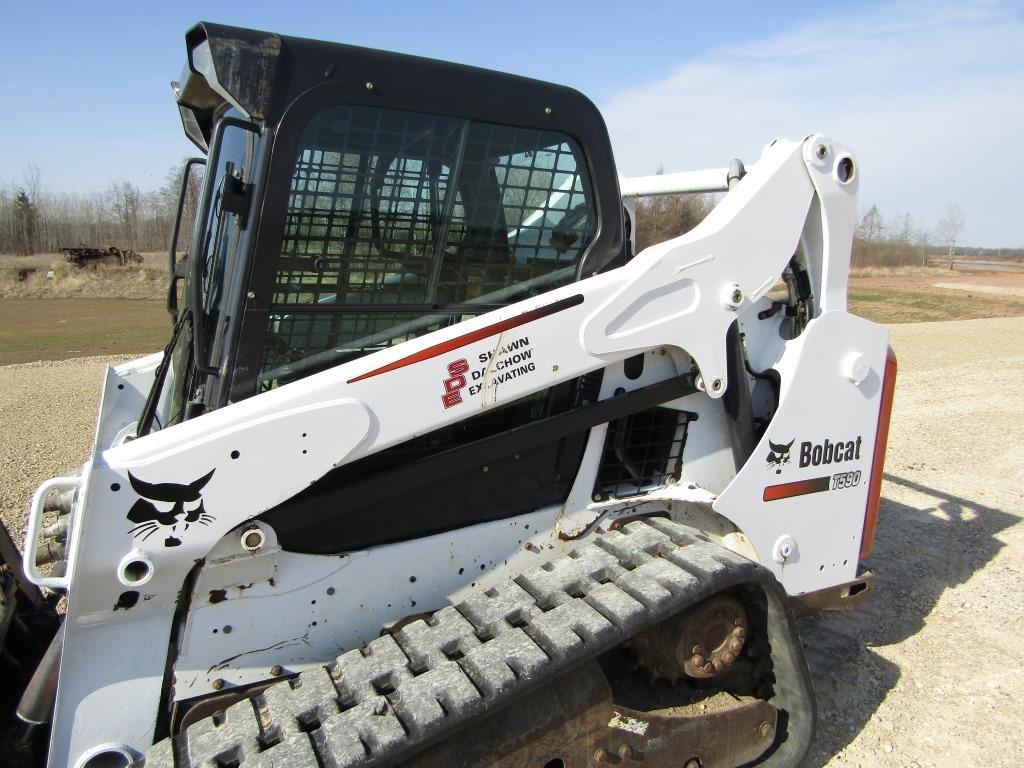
(122, 601)
(323, 605)
(809, 499)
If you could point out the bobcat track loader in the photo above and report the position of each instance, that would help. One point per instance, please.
(436, 470)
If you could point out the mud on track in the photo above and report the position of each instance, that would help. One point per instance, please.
(930, 671)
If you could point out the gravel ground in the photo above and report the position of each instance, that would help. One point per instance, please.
(929, 672)
(47, 418)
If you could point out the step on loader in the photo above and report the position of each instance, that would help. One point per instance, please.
(436, 469)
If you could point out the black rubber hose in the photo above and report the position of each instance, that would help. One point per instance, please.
(36, 704)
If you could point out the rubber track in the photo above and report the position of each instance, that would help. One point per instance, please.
(379, 704)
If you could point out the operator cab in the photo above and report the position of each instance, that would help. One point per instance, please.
(355, 199)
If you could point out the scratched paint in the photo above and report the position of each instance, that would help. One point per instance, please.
(488, 384)
(631, 724)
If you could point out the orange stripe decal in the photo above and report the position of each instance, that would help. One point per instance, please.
(867, 539)
(797, 488)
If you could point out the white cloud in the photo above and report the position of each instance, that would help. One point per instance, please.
(930, 97)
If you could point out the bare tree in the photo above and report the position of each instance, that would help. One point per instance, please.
(901, 238)
(869, 242)
(125, 200)
(31, 181)
(949, 228)
(665, 216)
(871, 227)
(923, 240)
(168, 195)
(25, 222)
(33, 219)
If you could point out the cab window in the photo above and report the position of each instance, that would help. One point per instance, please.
(401, 223)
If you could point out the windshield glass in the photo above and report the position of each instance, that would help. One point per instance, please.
(221, 232)
(402, 223)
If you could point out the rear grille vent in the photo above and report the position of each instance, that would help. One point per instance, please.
(641, 452)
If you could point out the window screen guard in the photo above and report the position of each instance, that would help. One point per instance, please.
(402, 223)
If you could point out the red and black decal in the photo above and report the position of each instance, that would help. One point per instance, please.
(460, 341)
(455, 382)
(797, 488)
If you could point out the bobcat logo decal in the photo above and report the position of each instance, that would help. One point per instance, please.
(168, 507)
(778, 456)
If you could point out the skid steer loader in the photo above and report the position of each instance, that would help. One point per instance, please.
(435, 470)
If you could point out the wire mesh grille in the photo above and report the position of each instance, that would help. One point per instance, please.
(420, 212)
(366, 201)
(641, 452)
(520, 213)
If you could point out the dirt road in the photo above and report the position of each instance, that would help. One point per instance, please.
(929, 673)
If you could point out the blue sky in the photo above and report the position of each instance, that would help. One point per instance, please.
(929, 95)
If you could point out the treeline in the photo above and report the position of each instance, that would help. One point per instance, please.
(34, 220)
(900, 241)
(666, 216)
(897, 241)
(973, 253)
(905, 241)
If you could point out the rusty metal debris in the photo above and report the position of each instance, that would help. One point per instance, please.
(85, 256)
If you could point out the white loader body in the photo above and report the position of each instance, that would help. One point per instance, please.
(253, 607)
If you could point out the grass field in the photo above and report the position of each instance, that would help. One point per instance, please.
(57, 328)
(918, 297)
(889, 305)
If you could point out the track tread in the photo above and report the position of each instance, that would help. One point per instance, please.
(429, 644)
(375, 705)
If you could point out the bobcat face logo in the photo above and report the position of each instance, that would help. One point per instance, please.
(778, 456)
(168, 507)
